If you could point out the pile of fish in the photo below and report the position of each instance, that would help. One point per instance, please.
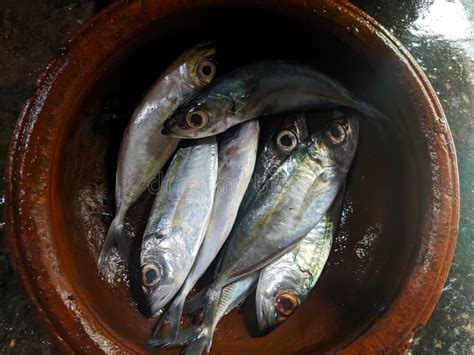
(249, 186)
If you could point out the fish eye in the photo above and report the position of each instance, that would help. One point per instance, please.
(336, 133)
(206, 71)
(286, 140)
(151, 275)
(285, 304)
(197, 119)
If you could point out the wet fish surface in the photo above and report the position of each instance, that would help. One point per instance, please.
(178, 222)
(260, 89)
(281, 138)
(305, 186)
(236, 161)
(286, 282)
(144, 149)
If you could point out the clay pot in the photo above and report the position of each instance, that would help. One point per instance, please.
(398, 232)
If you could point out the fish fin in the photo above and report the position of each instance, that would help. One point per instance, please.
(115, 238)
(183, 337)
(172, 318)
(201, 343)
(198, 301)
(196, 339)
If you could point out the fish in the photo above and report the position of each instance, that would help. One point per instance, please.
(257, 90)
(236, 161)
(178, 222)
(309, 255)
(144, 149)
(304, 187)
(285, 283)
(288, 280)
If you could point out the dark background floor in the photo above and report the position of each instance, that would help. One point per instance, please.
(439, 34)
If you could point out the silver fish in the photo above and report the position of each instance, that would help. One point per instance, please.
(260, 89)
(237, 154)
(304, 187)
(286, 282)
(144, 149)
(178, 222)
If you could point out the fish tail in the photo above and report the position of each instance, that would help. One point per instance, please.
(115, 238)
(381, 122)
(183, 337)
(372, 112)
(376, 118)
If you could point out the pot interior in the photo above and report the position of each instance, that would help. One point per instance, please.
(378, 232)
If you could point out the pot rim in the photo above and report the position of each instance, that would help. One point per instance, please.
(29, 173)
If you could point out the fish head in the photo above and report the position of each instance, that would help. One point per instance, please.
(280, 138)
(335, 145)
(197, 67)
(190, 72)
(161, 276)
(211, 111)
(291, 133)
(277, 298)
